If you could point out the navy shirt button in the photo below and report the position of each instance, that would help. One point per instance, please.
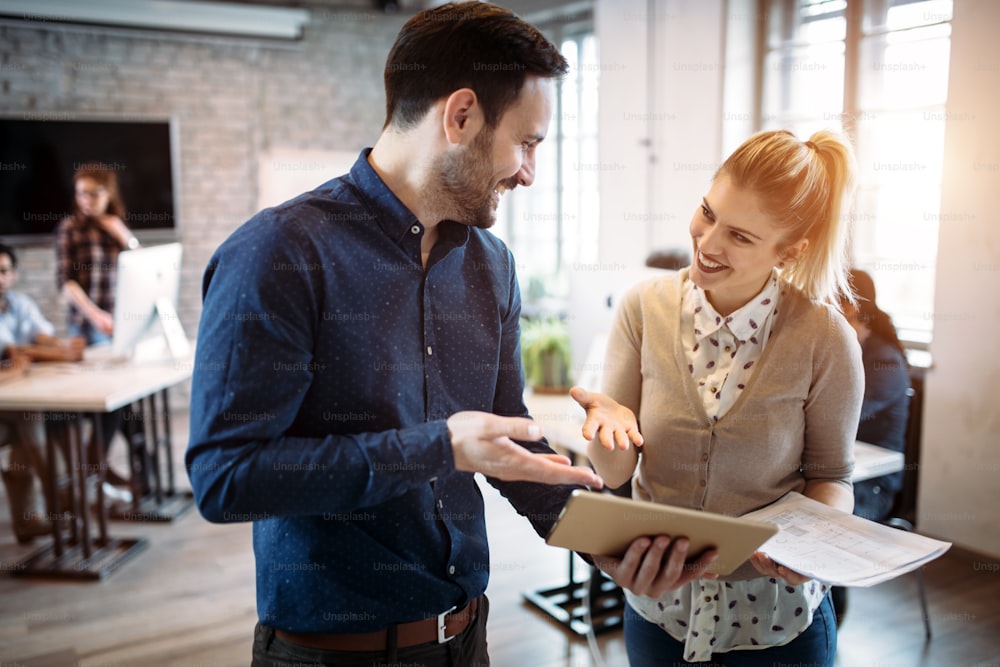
(415, 229)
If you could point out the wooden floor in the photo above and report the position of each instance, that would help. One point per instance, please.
(188, 600)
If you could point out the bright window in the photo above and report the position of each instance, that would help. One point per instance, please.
(553, 224)
(877, 69)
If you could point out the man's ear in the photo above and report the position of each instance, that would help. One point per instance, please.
(463, 117)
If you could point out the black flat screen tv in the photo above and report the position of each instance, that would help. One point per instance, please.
(40, 152)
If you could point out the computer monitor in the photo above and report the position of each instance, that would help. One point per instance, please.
(594, 296)
(145, 314)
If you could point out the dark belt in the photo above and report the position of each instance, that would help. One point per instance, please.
(440, 629)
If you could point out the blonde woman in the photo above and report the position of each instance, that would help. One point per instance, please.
(746, 381)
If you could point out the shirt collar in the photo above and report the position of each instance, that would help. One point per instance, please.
(388, 211)
(396, 220)
(744, 322)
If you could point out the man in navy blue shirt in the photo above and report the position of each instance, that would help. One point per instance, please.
(358, 360)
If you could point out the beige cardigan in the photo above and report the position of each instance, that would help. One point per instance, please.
(795, 421)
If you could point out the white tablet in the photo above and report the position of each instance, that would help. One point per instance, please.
(601, 523)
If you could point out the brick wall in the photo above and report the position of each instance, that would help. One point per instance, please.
(233, 98)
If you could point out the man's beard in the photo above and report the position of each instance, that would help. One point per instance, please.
(464, 184)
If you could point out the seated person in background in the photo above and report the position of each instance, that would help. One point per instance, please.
(25, 433)
(25, 336)
(885, 407)
(673, 259)
(23, 328)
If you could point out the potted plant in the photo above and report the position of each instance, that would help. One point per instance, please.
(545, 353)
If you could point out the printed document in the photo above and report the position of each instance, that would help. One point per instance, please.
(838, 548)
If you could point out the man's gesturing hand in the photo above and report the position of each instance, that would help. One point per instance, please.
(483, 442)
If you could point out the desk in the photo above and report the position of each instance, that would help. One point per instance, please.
(561, 419)
(871, 461)
(67, 392)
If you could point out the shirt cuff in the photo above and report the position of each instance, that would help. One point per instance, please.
(432, 444)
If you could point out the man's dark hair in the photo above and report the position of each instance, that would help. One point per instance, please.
(473, 45)
(9, 251)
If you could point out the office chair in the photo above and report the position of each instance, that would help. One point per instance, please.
(903, 513)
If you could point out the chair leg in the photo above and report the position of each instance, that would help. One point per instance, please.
(903, 524)
(923, 602)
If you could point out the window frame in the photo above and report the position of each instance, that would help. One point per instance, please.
(576, 25)
(853, 110)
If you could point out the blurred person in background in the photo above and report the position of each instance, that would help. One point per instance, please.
(87, 246)
(886, 405)
(26, 336)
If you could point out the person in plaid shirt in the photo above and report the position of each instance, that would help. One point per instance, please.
(87, 247)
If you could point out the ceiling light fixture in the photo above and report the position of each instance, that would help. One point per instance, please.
(218, 18)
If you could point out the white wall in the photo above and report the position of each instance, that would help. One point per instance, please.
(660, 119)
(620, 26)
(961, 432)
(689, 70)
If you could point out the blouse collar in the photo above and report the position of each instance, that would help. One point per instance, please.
(744, 322)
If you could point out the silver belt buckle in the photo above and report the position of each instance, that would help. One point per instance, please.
(442, 639)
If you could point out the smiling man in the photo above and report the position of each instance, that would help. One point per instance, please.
(358, 360)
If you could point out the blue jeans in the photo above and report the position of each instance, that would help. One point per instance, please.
(648, 645)
(89, 333)
(110, 421)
